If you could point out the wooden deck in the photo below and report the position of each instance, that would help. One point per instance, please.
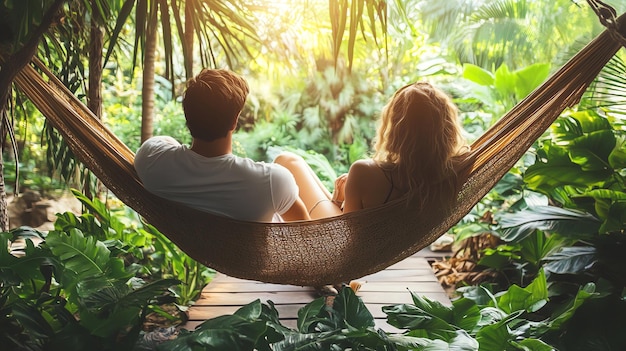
(224, 295)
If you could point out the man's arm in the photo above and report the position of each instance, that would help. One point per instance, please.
(296, 212)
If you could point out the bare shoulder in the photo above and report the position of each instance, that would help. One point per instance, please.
(363, 166)
(364, 171)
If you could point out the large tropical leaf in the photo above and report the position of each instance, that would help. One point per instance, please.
(352, 309)
(107, 310)
(84, 258)
(584, 293)
(529, 299)
(557, 170)
(571, 260)
(351, 14)
(239, 331)
(608, 91)
(570, 223)
(308, 316)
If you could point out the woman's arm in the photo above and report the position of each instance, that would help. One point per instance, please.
(354, 187)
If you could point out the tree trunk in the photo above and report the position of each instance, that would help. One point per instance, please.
(94, 98)
(8, 70)
(4, 211)
(147, 99)
(94, 93)
(188, 39)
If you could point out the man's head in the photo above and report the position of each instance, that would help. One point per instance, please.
(212, 103)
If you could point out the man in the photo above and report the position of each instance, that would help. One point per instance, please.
(207, 176)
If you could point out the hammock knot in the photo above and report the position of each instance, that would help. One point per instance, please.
(608, 18)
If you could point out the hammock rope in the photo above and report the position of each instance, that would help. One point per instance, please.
(329, 250)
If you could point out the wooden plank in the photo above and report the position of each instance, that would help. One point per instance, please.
(242, 298)
(249, 286)
(286, 311)
(411, 263)
(401, 275)
(290, 323)
(224, 295)
(419, 286)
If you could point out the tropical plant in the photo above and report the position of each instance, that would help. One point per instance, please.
(480, 320)
(145, 250)
(579, 238)
(516, 33)
(70, 292)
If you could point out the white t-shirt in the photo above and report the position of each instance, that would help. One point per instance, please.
(226, 185)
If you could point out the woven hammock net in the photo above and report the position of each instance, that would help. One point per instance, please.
(330, 250)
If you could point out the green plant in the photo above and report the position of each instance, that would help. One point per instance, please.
(503, 88)
(579, 239)
(69, 292)
(145, 250)
(480, 320)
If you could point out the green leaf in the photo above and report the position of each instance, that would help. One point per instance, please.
(479, 294)
(432, 307)
(529, 78)
(533, 345)
(529, 299)
(571, 223)
(466, 314)
(557, 170)
(239, 331)
(591, 121)
(571, 260)
(427, 315)
(615, 218)
(538, 246)
(617, 157)
(477, 74)
(251, 311)
(308, 315)
(505, 81)
(84, 258)
(591, 151)
(563, 315)
(352, 309)
(115, 307)
(460, 341)
(494, 337)
(235, 335)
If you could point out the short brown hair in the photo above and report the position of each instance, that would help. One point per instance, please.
(212, 103)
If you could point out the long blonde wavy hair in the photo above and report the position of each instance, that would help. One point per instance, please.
(420, 139)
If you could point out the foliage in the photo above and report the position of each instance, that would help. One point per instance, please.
(516, 33)
(580, 168)
(506, 88)
(480, 320)
(93, 279)
(146, 251)
(71, 292)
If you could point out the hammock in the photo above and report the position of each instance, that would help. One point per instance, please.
(329, 250)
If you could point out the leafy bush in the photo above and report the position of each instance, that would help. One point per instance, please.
(579, 238)
(480, 320)
(70, 292)
(91, 282)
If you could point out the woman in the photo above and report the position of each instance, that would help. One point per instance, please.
(418, 143)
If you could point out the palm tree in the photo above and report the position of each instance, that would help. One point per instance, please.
(489, 33)
(220, 27)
